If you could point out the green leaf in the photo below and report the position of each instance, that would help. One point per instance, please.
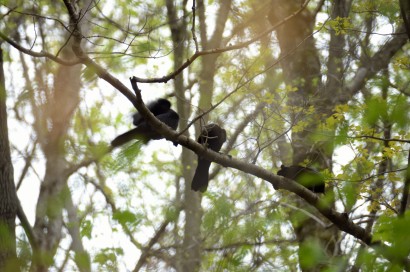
(126, 216)
(86, 228)
(311, 254)
(376, 109)
(399, 113)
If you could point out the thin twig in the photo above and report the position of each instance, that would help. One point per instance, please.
(193, 26)
(37, 54)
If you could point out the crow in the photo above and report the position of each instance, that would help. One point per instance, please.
(213, 137)
(308, 177)
(161, 108)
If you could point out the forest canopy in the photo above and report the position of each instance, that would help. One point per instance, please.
(293, 122)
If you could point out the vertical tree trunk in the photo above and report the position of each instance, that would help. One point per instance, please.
(188, 257)
(405, 14)
(8, 197)
(301, 67)
(52, 199)
(302, 70)
(49, 221)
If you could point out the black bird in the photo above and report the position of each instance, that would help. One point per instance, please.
(213, 137)
(157, 107)
(308, 177)
(161, 108)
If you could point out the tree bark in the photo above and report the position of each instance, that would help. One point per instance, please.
(189, 256)
(52, 199)
(302, 70)
(405, 14)
(49, 221)
(8, 197)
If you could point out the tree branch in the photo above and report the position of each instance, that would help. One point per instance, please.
(379, 138)
(278, 182)
(82, 258)
(38, 54)
(379, 61)
(114, 209)
(146, 250)
(405, 14)
(27, 227)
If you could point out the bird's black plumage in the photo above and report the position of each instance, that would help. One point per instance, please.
(305, 176)
(157, 107)
(161, 108)
(213, 136)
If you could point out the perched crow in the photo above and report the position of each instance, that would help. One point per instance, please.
(213, 137)
(161, 108)
(157, 107)
(305, 176)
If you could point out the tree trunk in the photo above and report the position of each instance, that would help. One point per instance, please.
(8, 197)
(49, 221)
(188, 257)
(190, 254)
(405, 14)
(53, 198)
(302, 70)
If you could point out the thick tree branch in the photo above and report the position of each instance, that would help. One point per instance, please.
(103, 73)
(379, 61)
(278, 182)
(82, 258)
(220, 23)
(405, 14)
(8, 196)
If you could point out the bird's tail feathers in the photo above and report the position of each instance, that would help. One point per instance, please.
(126, 137)
(201, 176)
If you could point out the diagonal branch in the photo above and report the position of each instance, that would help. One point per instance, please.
(277, 181)
(27, 227)
(37, 54)
(379, 61)
(114, 209)
(146, 250)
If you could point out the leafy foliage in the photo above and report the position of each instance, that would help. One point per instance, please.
(136, 194)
